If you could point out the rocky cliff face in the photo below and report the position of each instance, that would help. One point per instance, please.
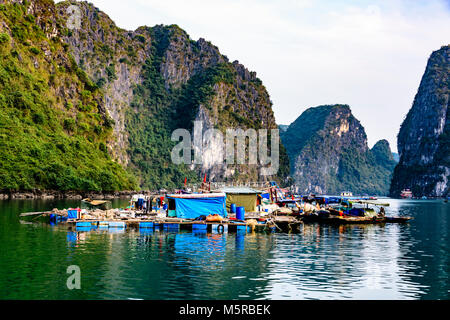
(328, 152)
(424, 137)
(156, 80)
(147, 83)
(100, 49)
(53, 125)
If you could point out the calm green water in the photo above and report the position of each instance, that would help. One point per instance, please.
(321, 262)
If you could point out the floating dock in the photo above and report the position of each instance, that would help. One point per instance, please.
(201, 226)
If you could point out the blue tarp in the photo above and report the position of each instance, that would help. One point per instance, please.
(356, 212)
(191, 208)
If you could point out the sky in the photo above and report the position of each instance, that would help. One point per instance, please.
(370, 55)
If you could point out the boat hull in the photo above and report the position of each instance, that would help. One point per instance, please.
(352, 220)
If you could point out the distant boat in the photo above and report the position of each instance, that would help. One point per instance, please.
(100, 204)
(346, 194)
(406, 194)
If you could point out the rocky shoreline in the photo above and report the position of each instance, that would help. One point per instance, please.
(51, 194)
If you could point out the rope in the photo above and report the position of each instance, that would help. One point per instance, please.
(270, 221)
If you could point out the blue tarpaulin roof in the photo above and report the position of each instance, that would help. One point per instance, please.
(193, 206)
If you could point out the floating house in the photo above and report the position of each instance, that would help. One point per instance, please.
(242, 197)
(192, 206)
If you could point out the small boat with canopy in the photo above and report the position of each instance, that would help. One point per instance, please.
(357, 212)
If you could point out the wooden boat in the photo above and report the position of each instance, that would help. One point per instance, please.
(94, 202)
(324, 216)
(36, 216)
(398, 219)
(353, 220)
(100, 204)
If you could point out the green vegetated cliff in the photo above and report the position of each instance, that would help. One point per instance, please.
(328, 152)
(54, 130)
(94, 107)
(424, 137)
(157, 79)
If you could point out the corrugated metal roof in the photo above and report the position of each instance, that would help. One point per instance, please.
(242, 190)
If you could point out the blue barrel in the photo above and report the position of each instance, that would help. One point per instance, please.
(240, 213)
(233, 208)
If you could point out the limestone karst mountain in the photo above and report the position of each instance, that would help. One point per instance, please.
(109, 100)
(328, 152)
(424, 137)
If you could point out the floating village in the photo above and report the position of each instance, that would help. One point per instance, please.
(227, 209)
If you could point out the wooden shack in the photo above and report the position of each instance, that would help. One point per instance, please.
(242, 197)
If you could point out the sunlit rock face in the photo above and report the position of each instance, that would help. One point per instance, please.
(424, 137)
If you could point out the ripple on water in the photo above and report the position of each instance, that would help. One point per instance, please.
(321, 262)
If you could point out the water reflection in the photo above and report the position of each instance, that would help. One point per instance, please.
(320, 262)
(351, 262)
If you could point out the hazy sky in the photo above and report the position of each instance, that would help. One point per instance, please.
(370, 55)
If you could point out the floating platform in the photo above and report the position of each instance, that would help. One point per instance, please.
(116, 224)
(178, 225)
(275, 224)
(146, 225)
(86, 224)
